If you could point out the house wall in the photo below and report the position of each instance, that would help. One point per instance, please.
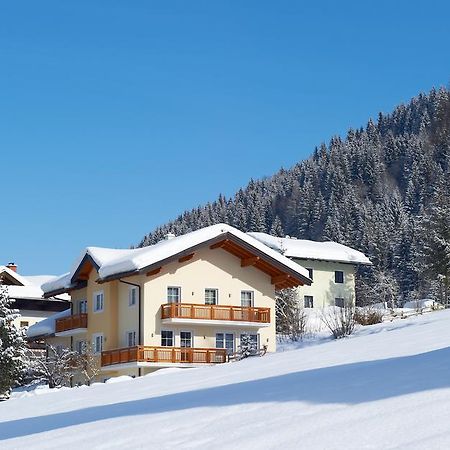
(324, 289)
(216, 269)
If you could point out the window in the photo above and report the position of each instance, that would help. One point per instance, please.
(185, 339)
(98, 301)
(173, 294)
(131, 338)
(97, 340)
(246, 298)
(82, 306)
(339, 301)
(24, 324)
(309, 301)
(80, 347)
(225, 340)
(338, 276)
(310, 273)
(166, 338)
(210, 296)
(132, 296)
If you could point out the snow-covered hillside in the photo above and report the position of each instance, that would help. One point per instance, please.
(386, 387)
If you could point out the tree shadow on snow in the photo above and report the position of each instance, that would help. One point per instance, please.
(345, 384)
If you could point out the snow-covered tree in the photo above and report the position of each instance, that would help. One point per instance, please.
(247, 347)
(12, 346)
(291, 319)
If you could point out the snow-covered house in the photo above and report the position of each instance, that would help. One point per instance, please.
(184, 301)
(27, 293)
(331, 267)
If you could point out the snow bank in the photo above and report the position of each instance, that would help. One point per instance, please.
(304, 249)
(371, 390)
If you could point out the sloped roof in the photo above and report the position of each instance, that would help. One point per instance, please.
(304, 249)
(26, 286)
(113, 263)
(46, 327)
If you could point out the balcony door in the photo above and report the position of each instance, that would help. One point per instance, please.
(186, 344)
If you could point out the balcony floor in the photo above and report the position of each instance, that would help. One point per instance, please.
(221, 323)
(157, 365)
(73, 332)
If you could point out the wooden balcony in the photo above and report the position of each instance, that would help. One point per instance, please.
(164, 355)
(215, 312)
(74, 322)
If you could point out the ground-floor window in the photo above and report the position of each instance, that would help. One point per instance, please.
(185, 339)
(166, 338)
(308, 301)
(131, 338)
(80, 347)
(97, 340)
(339, 301)
(225, 340)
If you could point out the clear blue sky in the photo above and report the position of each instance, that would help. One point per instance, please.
(116, 116)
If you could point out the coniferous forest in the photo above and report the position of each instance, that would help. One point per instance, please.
(383, 189)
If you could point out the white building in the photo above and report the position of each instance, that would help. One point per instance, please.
(331, 266)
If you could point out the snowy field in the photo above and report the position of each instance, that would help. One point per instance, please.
(388, 386)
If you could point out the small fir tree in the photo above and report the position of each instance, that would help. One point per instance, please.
(12, 347)
(247, 347)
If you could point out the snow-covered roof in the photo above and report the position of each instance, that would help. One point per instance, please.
(27, 286)
(304, 249)
(112, 262)
(46, 327)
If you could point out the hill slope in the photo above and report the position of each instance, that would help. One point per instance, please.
(386, 387)
(383, 190)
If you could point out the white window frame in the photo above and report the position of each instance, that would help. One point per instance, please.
(217, 296)
(94, 342)
(94, 301)
(192, 337)
(132, 289)
(173, 338)
(252, 300)
(127, 338)
(179, 294)
(224, 333)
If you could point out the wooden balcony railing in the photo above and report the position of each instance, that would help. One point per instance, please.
(142, 353)
(71, 322)
(215, 312)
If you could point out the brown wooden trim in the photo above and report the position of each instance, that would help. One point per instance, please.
(215, 312)
(154, 271)
(280, 278)
(186, 258)
(71, 322)
(219, 244)
(171, 355)
(249, 261)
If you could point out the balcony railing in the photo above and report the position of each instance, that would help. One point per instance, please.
(71, 323)
(173, 355)
(215, 312)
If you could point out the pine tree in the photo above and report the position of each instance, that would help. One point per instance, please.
(12, 347)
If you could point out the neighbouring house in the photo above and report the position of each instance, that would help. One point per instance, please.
(331, 267)
(27, 293)
(185, 301)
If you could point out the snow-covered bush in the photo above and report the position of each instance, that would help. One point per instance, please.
(247, 347)
(12, 347)
(340, 320)
(368, 316)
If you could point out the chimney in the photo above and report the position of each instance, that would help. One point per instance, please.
(169, 236)
(12, 266)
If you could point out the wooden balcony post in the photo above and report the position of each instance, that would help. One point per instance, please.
(192, 312)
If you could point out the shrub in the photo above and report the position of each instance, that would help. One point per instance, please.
(368, 316)
(340, 320)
